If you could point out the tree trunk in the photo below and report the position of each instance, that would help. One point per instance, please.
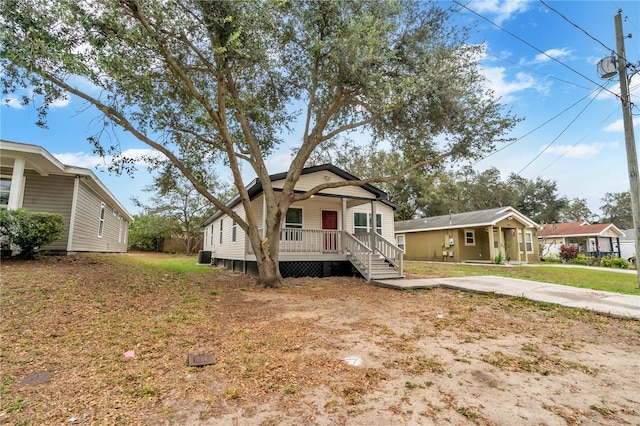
(269, 273)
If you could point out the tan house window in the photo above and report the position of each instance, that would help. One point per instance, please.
(528, 239)
(469, 237)
(400, 242)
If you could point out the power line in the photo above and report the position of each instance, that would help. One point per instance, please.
(572, 146)
(561, 133)
(540, 126)
(533, 47)
(583, 30)
(537, 72)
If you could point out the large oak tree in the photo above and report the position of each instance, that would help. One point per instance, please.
(226, 81)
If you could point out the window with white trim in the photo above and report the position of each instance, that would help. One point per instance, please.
(292, 222)
(103, 209)
(212, 234)
(400, 241)
(362, 223)
(5, 187)
(469, 237)
(528, 239)
(234, 231)
(221, 227)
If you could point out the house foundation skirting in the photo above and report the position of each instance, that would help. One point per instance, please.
(293, 269)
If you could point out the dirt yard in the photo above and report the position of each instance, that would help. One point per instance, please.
(316, 352)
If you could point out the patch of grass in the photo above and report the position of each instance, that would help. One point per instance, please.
(15, 405)
(591, 278)
(467, 412)
(179, 264)
(605, 411)
(291, 389)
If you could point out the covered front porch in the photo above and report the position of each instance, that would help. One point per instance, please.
(370, 253)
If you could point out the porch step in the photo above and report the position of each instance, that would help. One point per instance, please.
(380, 269)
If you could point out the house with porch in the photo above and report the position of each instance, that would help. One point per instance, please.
(596, 240)
(479, 236)
(33, 179)
(339, 231)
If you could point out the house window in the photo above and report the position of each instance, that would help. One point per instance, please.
(528, 239)
(469, 237)
(234, 231)
(120, 230)
(103, 209)
(362, 223)
(400, 242)
(5, 187)
(292, 222)
(221, 225)
(212, 234)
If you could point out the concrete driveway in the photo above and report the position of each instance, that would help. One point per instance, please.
(614, 304)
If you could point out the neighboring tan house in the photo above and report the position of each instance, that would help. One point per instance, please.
(596, 240)
(328, 234)
(478, 236)
(33, 179)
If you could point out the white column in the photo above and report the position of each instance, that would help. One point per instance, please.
(15, 192)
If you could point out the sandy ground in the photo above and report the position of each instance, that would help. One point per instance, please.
(316, 352)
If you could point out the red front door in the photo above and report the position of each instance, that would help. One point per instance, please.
(330, 223)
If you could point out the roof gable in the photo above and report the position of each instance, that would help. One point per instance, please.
(254, 188)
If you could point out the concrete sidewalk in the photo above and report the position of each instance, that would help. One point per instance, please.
(614, 304)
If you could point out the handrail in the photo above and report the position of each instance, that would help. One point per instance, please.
(360, 254)
(298, 240)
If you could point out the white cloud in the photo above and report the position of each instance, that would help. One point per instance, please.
(580, 151)
(618, 125)
(553, 53)
(86, 160)
(12, 102)
(502, 9)
(497, 80)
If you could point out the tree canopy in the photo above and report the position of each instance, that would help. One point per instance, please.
(227, 81)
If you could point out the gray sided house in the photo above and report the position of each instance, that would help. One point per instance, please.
(478, 236)
(332, 233)
(32, 179)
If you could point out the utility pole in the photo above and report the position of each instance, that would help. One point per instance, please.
(629, 138)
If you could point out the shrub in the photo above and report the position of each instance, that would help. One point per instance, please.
(568, 253)
(29, 230)
(499, 259)
(583, 259)
(614, 262)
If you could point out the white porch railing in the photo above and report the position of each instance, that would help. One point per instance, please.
(318, 241)
(361, 247)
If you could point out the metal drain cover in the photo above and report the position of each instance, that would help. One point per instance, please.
(200, 360)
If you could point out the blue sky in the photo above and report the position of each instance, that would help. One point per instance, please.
(581, 149)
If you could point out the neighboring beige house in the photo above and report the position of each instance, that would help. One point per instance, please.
(478, 236)
(329, 234)
(33, 179)
(597, 240)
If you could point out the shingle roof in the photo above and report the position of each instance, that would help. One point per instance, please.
(570, 229)
(462, 220)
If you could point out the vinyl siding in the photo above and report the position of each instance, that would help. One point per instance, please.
(388, 224)
(51, 194)
(85, 235)
(228, 249)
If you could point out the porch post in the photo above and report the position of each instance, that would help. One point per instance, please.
(15, 191)
(524, 245)
(374, 222)
(344, 222)
(618, 243)
(501, 243)
(597, 248)
(611, 244)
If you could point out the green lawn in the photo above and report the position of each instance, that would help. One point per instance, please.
(592, 278)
